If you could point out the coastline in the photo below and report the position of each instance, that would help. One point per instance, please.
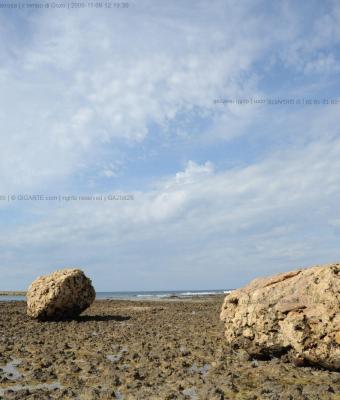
(133, 296)
(144, 349)
(12, 293)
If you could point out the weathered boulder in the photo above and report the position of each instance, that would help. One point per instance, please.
(61, 295)
(296, 312)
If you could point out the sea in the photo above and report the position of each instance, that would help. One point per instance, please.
(153, 295)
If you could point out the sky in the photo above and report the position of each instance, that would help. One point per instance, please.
(205, 135)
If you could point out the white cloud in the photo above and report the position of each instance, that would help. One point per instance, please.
(313, 49)
(73, 82)
(73, 87)
(251, 220)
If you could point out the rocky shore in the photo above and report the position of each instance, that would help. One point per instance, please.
(130, 350)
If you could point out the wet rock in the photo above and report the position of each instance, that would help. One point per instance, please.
(62, 294)
(298, 310)
(163, 372)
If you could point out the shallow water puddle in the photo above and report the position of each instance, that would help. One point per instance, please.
(117, 357)
(16, 388)
(10, 371)
(114, 357)
(191, 392)
(203, 370)
(118, 395)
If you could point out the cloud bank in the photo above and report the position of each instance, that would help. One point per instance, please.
(122, 101)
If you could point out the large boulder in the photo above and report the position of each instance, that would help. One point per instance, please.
(61, 295)
(296, 312)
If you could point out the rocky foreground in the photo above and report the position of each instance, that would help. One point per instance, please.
(143, 350)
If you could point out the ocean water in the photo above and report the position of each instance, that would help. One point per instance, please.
(140, 295)
(12, 298)
(158, 294)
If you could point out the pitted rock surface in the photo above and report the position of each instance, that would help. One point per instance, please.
(60, 295)
(296, 312)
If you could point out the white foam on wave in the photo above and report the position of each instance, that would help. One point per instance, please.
(182, 294)
(198, 293)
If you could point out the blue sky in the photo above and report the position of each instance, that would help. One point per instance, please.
(115, 101)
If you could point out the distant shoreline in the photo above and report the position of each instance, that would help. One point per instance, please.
(22, 296)
(12, 293)
(142, 296)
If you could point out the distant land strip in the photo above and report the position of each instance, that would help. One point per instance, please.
(12, 293)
